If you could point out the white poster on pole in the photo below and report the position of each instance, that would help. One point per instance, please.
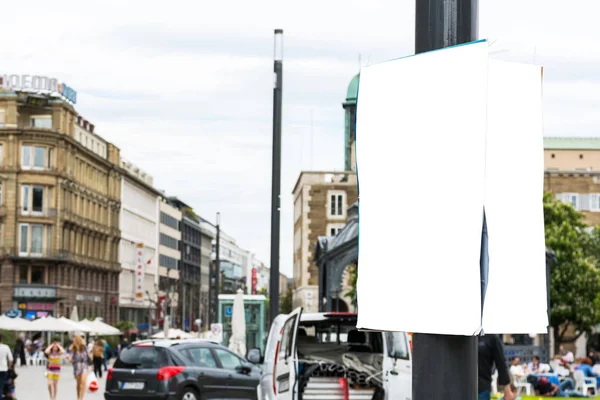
(420, 150)
(439, 136)
(514, 184)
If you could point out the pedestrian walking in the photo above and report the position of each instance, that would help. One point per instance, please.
(80, 359)
(107, 354)
(490, 354)
(6, 360)
(54, 353)
(98, 357)
(19, 351)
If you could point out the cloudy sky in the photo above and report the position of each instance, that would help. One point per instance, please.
(184, 88)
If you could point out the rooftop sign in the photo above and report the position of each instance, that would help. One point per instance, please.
(40, 84)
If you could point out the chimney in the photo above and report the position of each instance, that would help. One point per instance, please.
(92, 128)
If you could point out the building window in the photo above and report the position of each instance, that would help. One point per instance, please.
(571, 198)
(31, 240)
(41, 121)
(37, 275)
(2, 118)
(337, 204)
(334, 229)
(0, 194)
(32, 199)
(23, 272)
(1, 153)
(34, 157)
(168, 241)
(166, 219)
(168, 262)
(594, 202)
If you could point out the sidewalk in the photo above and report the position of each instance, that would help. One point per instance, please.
(32, 385)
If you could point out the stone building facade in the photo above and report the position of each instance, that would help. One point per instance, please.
(321, 201)
(60, 190)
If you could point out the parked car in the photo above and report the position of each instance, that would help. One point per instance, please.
(313, 356)
(180, 370)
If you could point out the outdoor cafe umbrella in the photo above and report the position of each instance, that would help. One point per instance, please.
(78, 327)
(100, 328)
(14, 324)
(237, 342)
(51, 324)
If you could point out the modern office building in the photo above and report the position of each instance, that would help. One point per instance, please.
(169, 260)
(139, 223)
(60, 193)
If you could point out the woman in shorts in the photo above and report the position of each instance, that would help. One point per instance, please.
(80, 360)
(54, 353)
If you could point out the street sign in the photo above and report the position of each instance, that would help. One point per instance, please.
(228, 311)
(13, 313)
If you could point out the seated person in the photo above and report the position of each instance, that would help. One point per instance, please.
(543, 387)
(534, 365)
(516, 369)
(586, 367)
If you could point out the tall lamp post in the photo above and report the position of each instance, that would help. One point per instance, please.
(276, 178)
(444, 366)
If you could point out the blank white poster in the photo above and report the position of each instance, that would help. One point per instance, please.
(515, 301)
(420, 146)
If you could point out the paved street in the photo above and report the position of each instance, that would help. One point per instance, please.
(31, 385)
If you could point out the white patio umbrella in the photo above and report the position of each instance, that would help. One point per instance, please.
(51, 324)
(100, 328)
(14, 324)
(78, 327)
(173, 334)
(237, 341)
(74, 314)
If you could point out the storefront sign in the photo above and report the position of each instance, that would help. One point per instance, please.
(42, 314)
(30, 292)
(139, 273)
(40, 306)
(13, 313)
(37, 83)
(95, 299)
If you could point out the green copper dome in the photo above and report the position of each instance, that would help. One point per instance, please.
(352, 93)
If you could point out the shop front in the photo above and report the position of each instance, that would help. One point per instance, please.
(35, 301)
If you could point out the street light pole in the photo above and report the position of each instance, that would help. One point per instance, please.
(445, 366)
(276, 178)
(214, 295)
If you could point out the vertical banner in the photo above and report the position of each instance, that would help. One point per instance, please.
(139, 273)
(254, 280)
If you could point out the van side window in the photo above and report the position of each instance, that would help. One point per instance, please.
(396, 345)
(286, 339)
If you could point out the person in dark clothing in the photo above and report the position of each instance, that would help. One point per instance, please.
(490, 354)
(19, 351)
(543, 387)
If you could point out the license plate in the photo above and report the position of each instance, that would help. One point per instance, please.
(133, 386)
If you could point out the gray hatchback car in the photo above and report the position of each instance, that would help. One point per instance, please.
(180, 370)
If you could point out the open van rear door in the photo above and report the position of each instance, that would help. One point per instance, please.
(286, 359)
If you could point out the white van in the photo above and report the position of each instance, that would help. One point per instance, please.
(324, 356)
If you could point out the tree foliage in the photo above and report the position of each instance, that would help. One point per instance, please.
(575, 277)
(285, 303)
(353, 270)
(125, 326)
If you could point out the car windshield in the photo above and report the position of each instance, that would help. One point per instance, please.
(142, 357)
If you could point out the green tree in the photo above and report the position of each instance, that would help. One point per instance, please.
(353, 270)
(575, 277)
(285, 303)
(124, 326)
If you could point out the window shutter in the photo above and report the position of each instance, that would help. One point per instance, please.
(560, 196)
(594, 201)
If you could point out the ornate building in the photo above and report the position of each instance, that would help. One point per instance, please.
(60, 195)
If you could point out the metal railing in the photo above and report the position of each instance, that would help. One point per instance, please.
(63, 255)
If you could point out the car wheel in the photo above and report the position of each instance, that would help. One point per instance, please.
(189, 394)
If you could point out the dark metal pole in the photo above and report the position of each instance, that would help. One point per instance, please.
(276, 178)
(214, 274)
(444, 366)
